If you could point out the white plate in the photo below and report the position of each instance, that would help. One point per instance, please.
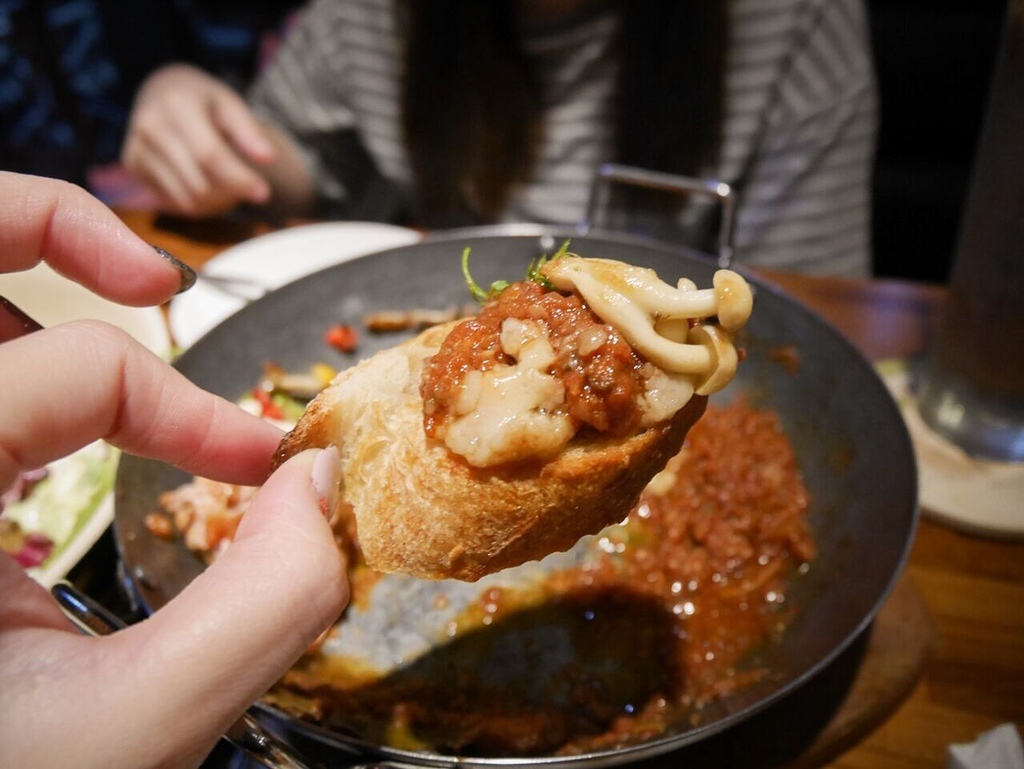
(52, 299)
(977, 496)
(273, 260)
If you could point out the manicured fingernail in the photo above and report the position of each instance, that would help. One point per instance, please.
(23, 323)
(325, 475)
(188, 275)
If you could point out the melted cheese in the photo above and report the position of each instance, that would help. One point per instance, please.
(518, 411)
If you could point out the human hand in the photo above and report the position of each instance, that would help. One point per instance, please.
(159, 692)
(197, 143)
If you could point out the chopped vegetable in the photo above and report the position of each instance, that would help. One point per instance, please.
(34, 551)
(416, 318)
(297, 385)
(160, 525)
(343, 337)
(268, 409)
(44, 510)
(532, 273)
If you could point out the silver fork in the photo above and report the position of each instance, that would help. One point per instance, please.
(238, 287)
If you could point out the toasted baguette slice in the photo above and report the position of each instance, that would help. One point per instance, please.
(422, 510)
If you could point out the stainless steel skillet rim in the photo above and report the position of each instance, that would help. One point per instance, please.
(549, 239)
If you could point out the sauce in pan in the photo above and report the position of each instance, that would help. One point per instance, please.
(665, 617)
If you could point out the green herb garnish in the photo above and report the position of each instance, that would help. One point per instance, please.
(532, 273)
(475, 291)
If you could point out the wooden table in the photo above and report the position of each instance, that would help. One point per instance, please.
(943, 661)
(972, 678)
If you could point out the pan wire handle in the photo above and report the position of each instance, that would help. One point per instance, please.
(722, 192)
(246, 734)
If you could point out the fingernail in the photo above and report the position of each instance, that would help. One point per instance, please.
(188, 275)
(325, 475)
(23, 323)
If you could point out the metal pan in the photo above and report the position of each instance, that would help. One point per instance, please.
(850, 440)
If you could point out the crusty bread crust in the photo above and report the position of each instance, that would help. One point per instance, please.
(422, 510)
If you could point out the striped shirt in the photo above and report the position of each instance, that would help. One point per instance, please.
(799, 131)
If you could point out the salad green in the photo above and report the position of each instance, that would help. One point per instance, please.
(40, 525)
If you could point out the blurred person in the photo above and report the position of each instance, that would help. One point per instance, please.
(70, 69)
(200, 661)
(448, 113)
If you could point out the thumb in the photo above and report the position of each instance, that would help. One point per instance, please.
(241, 624)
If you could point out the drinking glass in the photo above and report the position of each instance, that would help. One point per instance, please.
(971, 389)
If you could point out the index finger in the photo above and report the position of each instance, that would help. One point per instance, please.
(52, 220)
(69, 385)
(244, 130)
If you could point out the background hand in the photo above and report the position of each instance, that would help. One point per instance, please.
(197, 143)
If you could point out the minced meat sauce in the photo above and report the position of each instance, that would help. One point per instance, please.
(670, 613)
(602, 375)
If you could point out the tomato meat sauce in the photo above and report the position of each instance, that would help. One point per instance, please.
(602, 375)
(667, 615)
(716, 540)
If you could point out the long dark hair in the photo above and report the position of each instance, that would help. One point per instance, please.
(471, 105)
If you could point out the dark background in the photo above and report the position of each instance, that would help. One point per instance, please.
(934, 60)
